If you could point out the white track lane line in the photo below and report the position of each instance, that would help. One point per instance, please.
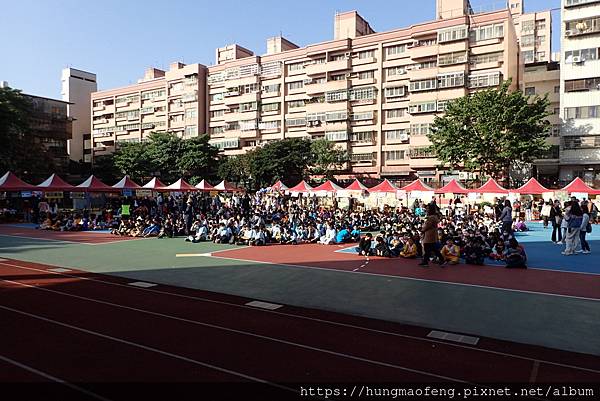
(52, 378)
(308, 318)
(230, 330)
(145, 347)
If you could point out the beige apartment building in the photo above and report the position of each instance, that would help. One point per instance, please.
(374, 94)
(534, 31)
(173, 100)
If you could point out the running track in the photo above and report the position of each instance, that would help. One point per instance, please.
(80, 328)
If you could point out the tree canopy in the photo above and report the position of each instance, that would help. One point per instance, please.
(489, 130)
(327, 158)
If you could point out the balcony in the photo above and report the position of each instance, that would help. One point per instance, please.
(424, 51)
(327, 86)
(317, 69)
(242, 98)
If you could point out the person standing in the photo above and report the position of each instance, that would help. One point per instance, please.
(556, 217)
(585, 228)
(430, 236)
(575, 217)
(506, 217)
(188, 216)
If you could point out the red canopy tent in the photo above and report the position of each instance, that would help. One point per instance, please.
(417, 185)
(301, 187)
(384, 186)
(225, 186)
(10, 182)
(93, 184)
(531, 187)
(279, 186)
(490, 187)
(204, 186)
(154, 183)
(328, 186)
(126, 183)
(453, 187)
(577, 185)
(55, 183)
(179, 186)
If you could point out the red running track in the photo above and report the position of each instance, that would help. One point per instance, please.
(85, 328)
(321, 256)
(80, 237)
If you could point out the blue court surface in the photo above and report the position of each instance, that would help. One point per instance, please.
(543, 254)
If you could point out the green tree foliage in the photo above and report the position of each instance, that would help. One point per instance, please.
(19, 152)
(168, 156)
(105, 169)
(489, 130)
(327, 159)
(237, 169)
(286, 159)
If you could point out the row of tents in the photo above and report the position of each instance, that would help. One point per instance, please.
(532, 187)
(9, 182)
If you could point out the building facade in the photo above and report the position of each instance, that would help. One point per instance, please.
(580, 90)
(374, 94)
(534, 31)
(173, 100)
(76, 89)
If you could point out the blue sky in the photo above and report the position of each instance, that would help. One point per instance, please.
(118, 39)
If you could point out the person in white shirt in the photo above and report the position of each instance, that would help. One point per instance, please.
(329, 237)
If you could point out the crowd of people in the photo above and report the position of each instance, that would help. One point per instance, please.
(420, 231)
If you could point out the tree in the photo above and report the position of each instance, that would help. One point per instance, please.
(489, 130)
(104, 168)
(132, 159)
(327, 158)
(286, 159)
(163, 151)
(237, 169)
(197, 157)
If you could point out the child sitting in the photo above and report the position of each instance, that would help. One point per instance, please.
(410, 249)
(364, 245)
(515, 256)
(381, 247)
(474, 252)
(450, 253)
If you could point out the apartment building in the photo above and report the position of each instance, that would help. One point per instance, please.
(374, 94)
(534, 31)
(580, 90)
(173, 100)
(76, 89)
(543, 78)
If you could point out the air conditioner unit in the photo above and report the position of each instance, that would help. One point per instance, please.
(404, 137)
(578, 59)
(348, 55)
(568, 32)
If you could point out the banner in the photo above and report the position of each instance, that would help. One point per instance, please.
(54, 195)
(140, 193)
(77, 195)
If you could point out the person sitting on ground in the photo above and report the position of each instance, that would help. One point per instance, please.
(515, 256)
(342, 236)
(381, 247)
(498, 250)
(520, 226)
(396, 245)
(152, 230)
(245, 236)
(329, 237)
(474, 252)
(410, 249)
(167, 229)
(450, 253)
(223, 234)
(258, 236)
(355, 234)
(364, 245)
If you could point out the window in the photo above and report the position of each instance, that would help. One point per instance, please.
(393, 50)
(527, 40)
(528, 26)
(395, 71)
(132, 114)
(366, 54)
(337, 57)
(337, 135)
(569, 3)
(396, 135)
(269, 124)
(249, 88)
(362, 137)
(540, 25)
(295, 122)
(190, 113)
(266, 107)
(540, 56)
(190, 130)
(582, 112)
(484, 80)
(421, 152)
(426, 64)
(338, 77)
(153, 94)
(362, 116)
(296, 66)
(273, 88)
(423, 85)
(336, 96)
(420, 129)
(582, 55)
(581, 142)
(363, 93)
(227, 144)
(396, 91)
(539, 40)
(394, 113)
(295, 85)
(450, 34)
(486, 32)
(249, 106)
(248, 125)
(423, 107)
(556, 111)
(441, 105)
(582, 26)
(587, 84)
(451, 80)
(392, 155)
(425, 42)
(293, 104)
(530, 91)
(362, 157)
(321, 60)
(555, 131)
(528, 56)
(366, 74)
(336, 115)
(217, 113)
(452, 58)
(215, 97)
(216, 130)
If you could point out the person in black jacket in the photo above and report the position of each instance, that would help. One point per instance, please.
(364, 246)
(556, 216)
